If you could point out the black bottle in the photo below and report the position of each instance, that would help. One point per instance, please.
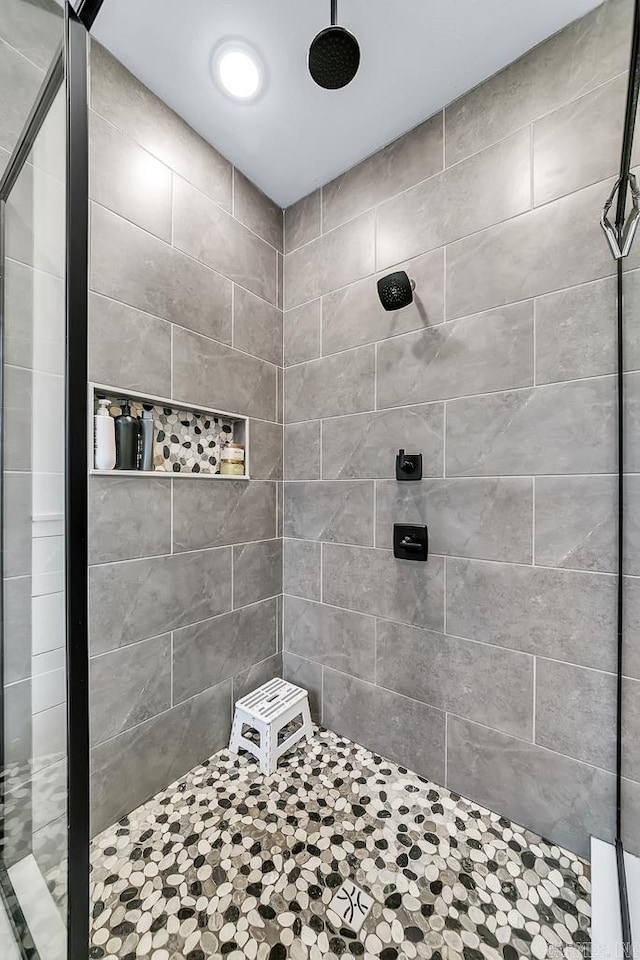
(127, 433)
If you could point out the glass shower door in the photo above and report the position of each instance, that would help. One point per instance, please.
(34, 742)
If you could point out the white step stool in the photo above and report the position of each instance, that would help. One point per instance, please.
(267, 710)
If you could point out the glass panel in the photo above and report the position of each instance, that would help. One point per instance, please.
(35, 804)
(31, 32)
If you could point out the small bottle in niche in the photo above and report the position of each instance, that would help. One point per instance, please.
(104, 437)
(127, 437)
(232, 460)
(146, 439)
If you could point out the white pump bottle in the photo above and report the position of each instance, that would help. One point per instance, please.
(104, 433)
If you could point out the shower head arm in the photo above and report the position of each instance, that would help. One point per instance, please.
(334, 12)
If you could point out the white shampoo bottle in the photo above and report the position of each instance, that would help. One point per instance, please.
(104, 437)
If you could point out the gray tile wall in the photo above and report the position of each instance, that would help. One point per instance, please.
(186, 574)
(490, 668)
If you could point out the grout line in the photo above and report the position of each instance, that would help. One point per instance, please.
(375, 651)
(444, 139)
(444, 440)
(170, 518)
(535, 344)
(233, 314)
(446, 748)
(171, 361)
(535, 682)
(375, 376)
(375, 512)
(533, 524)
(171, 688)
(320, 464)
(444, 593)
(322, 694)
(231, 580)
(531, 167)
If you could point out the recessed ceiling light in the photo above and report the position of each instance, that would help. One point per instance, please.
(238, 70)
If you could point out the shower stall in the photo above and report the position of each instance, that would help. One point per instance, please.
(472, 786)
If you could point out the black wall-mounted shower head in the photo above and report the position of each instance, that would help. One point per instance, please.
(334, 55)
(396, 290)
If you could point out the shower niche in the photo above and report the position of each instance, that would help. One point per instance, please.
(188, 439)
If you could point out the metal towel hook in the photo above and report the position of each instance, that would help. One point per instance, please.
(622, 247)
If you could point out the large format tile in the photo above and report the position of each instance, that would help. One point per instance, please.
(576, 330)
(302, 221)
(374, 582)
(336, 638)
(398, 166)
(631, 626)
(490, 519)
(481, 354)
(302, 333)
(302, 450)
(128, 348)
(34, 318)
(473, 680)
(561, 614)
(365, 445)
(211, 513)
(119, 97)
(137, 599)
(576, 715)
(576, 712)
(35, 31)
(146, 758)
(529, 255)
(394, 726)
(127, 179)
(257, 571)
(333, 260)
(257, 326)
(581, 57)
(205, 231)
(308, 675)
(129, 517)
(253, 208)
(575, 523)
(215, 375)
(554, 795)
(354, 315)
(130, 265)
(566, 154)
(128, 686)
(555, 429)
(631, 817)
(343, 383)
(206, 653)
(23, 79)
(18, 527)
(301, 569)
(265, 456)
(18, 630)
(254, 676)
(489, 187)
(338, 511)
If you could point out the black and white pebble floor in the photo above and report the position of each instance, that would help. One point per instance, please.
(229, 863)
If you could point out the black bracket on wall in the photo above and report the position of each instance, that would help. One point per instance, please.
(408, 466)
(410, 542)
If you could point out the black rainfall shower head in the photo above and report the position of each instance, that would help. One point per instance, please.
(334, 55)
(396, 290)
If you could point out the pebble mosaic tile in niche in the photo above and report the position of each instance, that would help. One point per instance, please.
(185, 441)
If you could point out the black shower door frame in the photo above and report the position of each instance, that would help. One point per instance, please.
(68, 70)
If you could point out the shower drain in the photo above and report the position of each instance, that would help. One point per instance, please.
(352, 905)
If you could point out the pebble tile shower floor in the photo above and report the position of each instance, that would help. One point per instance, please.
(228, 863)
